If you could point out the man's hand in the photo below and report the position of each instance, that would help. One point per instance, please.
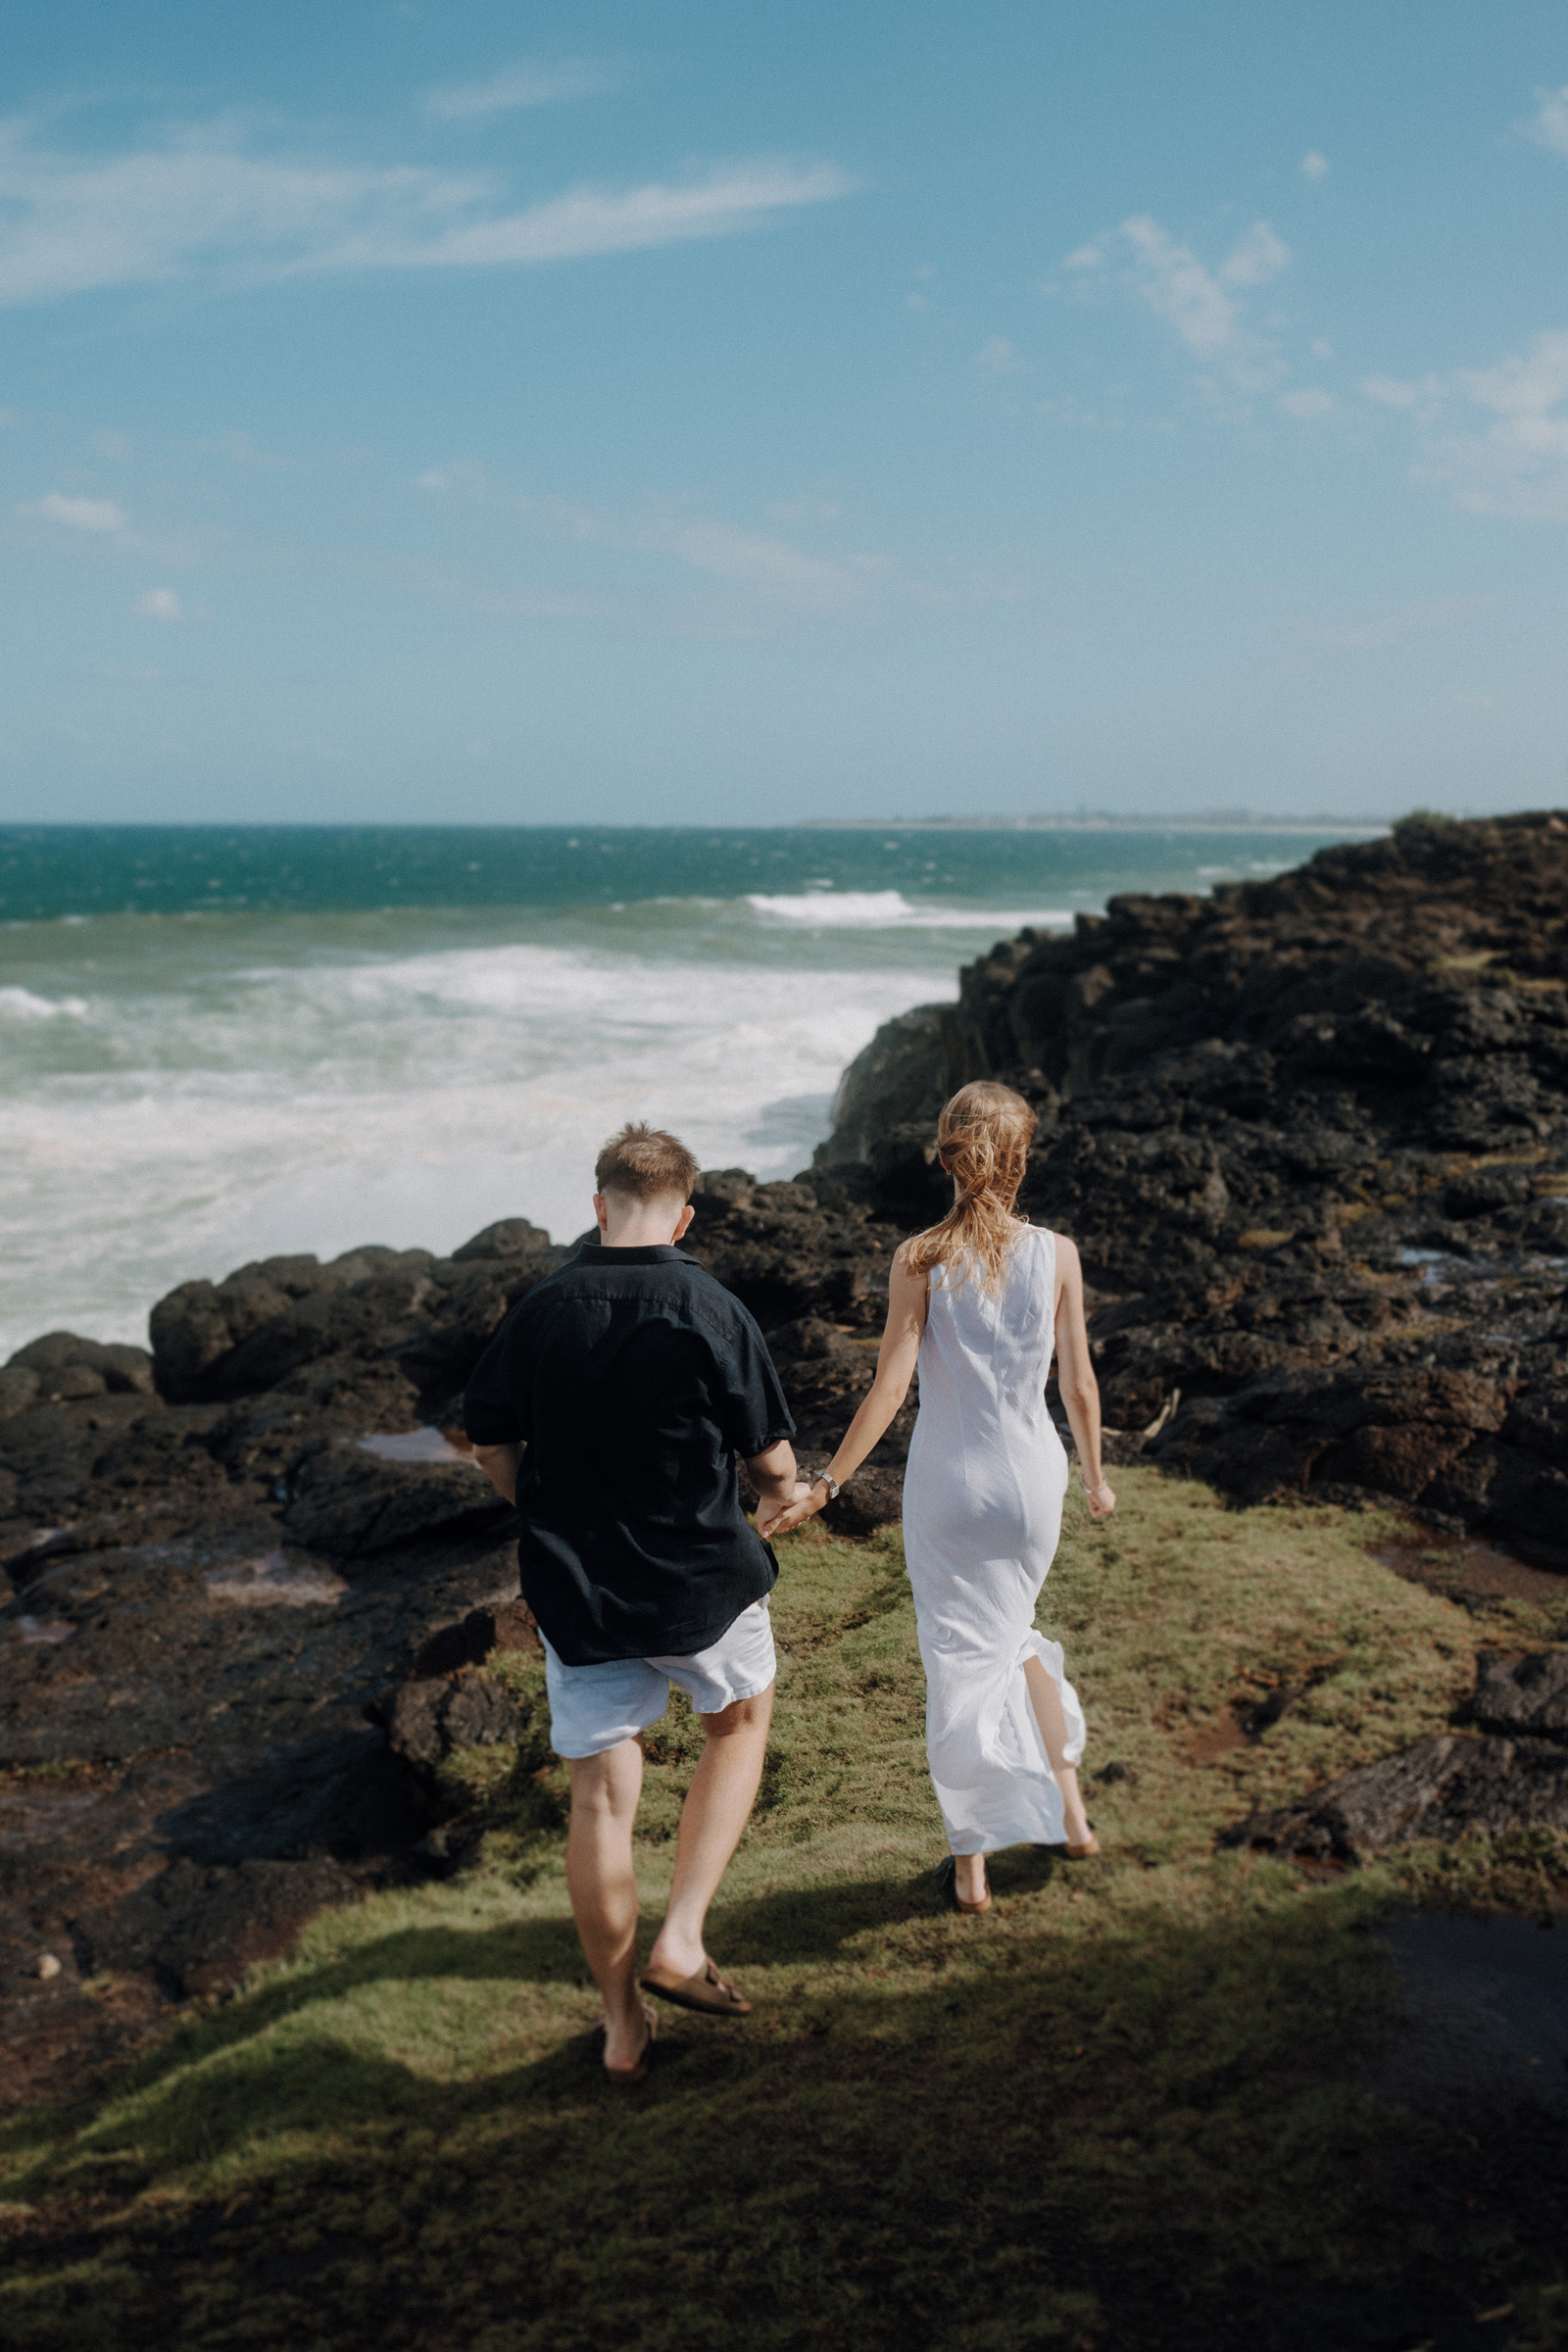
(775, 1477)
(805, 1503)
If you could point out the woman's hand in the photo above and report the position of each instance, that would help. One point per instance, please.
(804, 1504)
(1102, 1499)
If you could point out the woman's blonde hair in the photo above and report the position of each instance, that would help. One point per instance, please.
(983, 1137)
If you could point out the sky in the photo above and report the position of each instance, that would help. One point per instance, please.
(618, 413)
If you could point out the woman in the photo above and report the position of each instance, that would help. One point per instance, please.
(979, 1299)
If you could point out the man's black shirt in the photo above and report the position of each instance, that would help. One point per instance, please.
(633, 1378)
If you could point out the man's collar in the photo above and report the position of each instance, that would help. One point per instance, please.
(640, 1253)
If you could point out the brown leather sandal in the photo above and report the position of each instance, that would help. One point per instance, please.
(706, 1992)
(1081, 1853)
(638, 2070)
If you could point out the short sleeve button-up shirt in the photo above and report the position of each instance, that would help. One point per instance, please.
(633, 1378)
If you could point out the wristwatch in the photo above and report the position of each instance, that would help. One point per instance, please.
(832, 1485)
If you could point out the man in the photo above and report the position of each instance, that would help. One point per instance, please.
(611, 1406)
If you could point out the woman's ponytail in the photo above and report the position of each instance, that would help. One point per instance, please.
(983, 1137)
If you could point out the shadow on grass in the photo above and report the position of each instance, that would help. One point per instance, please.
(1130, 2145)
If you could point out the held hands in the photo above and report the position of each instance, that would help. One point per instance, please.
(1102, 1499)
(779, 1519)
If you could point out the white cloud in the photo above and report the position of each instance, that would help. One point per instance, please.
(998, 355)
(518, 86)
(1085, 257)
(159, 604)
(1308, 402)
(1425, 393)
(774, 570)
(1312, 165)
(1259, 256)
(74, 514)
(1497, 436)
(202, 205)
(1200, 303)
(1517, 462)
(1548, 125)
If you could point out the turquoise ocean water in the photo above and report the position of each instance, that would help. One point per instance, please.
(221, 1042)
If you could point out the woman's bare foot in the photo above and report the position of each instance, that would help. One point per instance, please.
(1074, 1820)
(969, 1877)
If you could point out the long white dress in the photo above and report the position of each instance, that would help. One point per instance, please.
(982, 1513)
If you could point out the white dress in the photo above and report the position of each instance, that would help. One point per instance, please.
(982, 1512)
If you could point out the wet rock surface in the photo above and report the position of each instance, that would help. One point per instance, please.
(1312, 1137)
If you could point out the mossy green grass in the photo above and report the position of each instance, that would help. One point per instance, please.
(1131, 2106)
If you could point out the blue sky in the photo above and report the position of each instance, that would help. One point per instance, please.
(682, 413)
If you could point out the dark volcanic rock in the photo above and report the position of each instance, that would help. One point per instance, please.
(246, 1334)
(429, 1717)
(1528, 1694)
(199, 1929)
(68, 1367)
(504, 1628)
(1440, 1788)
(508, 1237)
(901, 1078)
(185, 1724)
(874, 1498)
(348, 1503)
(1311, 1138)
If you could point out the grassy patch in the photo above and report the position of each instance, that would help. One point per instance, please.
(1119, 2111)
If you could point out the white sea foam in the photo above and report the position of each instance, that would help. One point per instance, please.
(884, 910)
(21, 1005)
(406, 1100)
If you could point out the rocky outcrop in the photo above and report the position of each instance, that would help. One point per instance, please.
(1528, 1696)
(1312, 1137)
(1514, 1776)
(1443, 1789)
(430, 1716)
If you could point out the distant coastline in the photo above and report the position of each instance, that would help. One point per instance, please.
(1228, 820)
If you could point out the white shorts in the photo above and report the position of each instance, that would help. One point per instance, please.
(593, 1708)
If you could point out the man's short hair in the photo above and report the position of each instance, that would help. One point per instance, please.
(647, 1162)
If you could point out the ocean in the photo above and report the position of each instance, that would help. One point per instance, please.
(218, 1043)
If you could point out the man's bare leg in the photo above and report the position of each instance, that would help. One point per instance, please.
(600, 1879)
(717, 1807)
(1046, 1699)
